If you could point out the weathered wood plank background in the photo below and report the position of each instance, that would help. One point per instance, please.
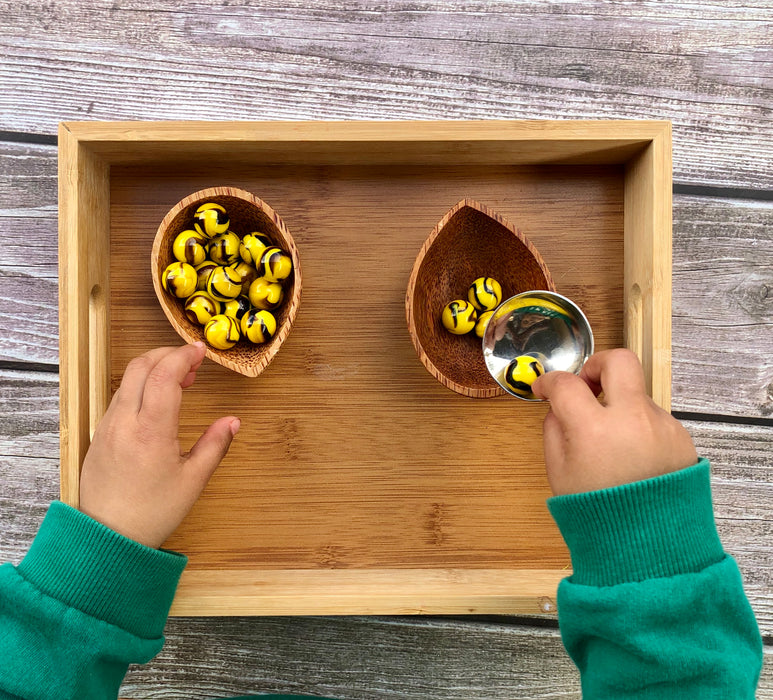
(705, 65)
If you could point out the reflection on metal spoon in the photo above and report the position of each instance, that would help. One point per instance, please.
(544, 325)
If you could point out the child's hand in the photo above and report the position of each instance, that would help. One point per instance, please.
(134, 479)
(591, 445)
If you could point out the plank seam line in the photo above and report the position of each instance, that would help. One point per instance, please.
(24, 137)
(55, 460)
(20, 366)
(723, 192)
(719, 418)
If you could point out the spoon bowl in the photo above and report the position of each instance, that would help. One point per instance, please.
(540, 324)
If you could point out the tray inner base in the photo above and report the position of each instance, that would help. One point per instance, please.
(351, 455)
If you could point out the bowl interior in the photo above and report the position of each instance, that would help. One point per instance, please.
(471, 244)
(246, 217)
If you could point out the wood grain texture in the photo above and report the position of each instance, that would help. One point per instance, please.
(84, 288)
(348, 371)
(29, 456)
(337, 590)
(369, 142)
(364, 659)
(411, 660)
(742, 489)
(706, 67)
(357, 658)
(647, 264)
(723, 306)
(28, 264)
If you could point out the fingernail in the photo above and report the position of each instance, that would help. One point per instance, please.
(199, 344)
(235, 425)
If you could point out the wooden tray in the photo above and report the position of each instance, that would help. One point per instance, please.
(358, 483)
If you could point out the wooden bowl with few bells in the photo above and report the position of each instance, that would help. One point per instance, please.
(470, 241)
(248, 214)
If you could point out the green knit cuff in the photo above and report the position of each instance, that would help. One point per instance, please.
(88, 566)
(656, 528)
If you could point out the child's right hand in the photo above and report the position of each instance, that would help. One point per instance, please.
(591, 445)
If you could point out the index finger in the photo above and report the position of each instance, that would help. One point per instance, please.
(619, 374)
(163, 388)
(129, 394)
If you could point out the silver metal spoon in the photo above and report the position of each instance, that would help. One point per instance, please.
(543, 325)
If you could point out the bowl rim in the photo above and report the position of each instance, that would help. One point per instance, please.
(445, 380)
(220, 356)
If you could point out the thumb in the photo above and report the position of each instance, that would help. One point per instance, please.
(212, 446)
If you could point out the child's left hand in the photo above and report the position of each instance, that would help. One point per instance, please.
(134, 478)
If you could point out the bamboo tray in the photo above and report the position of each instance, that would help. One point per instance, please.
(358, 483)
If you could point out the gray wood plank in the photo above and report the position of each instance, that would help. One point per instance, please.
(364, 659)
(722, 345)
(706, 66)
(28, 263)
(742, 490)
(722, 282)
(29, 314)
(356, 658)
(29, 184)
(29, 456)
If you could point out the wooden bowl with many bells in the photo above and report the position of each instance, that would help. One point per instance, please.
(247, 214)
(470, 241)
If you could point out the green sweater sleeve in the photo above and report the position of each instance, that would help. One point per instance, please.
(654, 607)
(83, 604)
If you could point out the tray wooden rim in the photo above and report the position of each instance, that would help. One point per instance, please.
(87, 150)
(368, 591)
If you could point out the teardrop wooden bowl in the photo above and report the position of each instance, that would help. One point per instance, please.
(470, 241)
(248, 213)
